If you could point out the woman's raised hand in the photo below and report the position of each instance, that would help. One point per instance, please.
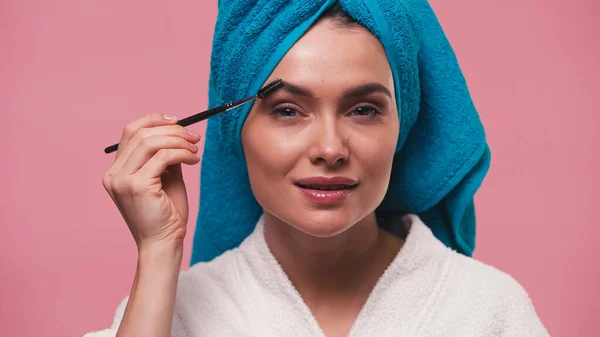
(145, 181)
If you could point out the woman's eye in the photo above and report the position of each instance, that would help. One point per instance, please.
(366, 111)
(285, 112)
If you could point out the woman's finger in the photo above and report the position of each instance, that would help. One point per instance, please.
(149, 146)
(141, 134)
(146, 121)
(164, 158)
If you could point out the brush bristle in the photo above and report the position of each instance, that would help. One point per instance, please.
(269, 89)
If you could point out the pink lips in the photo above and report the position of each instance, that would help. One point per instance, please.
(325, 190)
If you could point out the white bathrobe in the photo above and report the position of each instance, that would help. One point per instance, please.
(428, 290)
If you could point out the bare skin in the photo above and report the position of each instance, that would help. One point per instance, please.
(333, 254)
(146, 184)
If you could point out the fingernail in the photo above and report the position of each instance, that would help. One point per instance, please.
(171, 118)
(193, 133)
(194, 147)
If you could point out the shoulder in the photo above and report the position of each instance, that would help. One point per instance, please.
(485, 279)
(470, 297)
(461, 274)
(207, 285)
(212, 297)
(206, 295)
(498, 303)
(218, 272)
(465, 275)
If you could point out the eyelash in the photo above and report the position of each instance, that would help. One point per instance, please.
(374, 112)
(276, 112)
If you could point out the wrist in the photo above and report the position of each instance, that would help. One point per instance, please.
(162, 254)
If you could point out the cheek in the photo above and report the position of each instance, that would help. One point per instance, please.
(269, 154)
(375, 151)
(378, 162)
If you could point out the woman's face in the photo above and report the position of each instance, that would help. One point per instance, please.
(319, 152)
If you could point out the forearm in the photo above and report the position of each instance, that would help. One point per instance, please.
(149, 311)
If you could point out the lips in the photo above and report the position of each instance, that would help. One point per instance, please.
(327, 182)
(325, 187)
(325, 190)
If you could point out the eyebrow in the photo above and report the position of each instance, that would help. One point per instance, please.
(358, 91)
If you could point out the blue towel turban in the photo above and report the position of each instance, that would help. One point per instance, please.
(442, 155)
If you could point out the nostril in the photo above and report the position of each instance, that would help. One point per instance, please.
(331, 161)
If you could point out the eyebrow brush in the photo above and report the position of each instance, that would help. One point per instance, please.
(262, 93)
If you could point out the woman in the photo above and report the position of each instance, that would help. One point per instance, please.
(322, 259)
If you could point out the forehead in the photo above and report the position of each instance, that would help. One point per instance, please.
(327, 54)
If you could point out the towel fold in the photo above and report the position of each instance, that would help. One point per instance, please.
(442, 155)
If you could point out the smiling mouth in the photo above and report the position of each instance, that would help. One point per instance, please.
(326, 190)
(326, 187)
(326, 194)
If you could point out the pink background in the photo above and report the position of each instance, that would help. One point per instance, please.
(74, 72)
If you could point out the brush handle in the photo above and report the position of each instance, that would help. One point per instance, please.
(198, 117)
(212, 112)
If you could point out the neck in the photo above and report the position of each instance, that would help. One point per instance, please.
(347, 263)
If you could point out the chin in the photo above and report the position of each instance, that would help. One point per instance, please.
(323, 223)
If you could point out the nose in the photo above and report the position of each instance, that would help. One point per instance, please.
(330, 146)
